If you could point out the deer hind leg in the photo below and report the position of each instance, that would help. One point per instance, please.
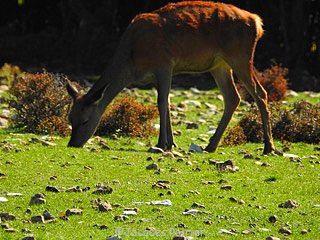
(163, 79)
(251, 83)
(225, 82)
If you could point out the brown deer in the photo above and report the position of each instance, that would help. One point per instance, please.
(186, 37)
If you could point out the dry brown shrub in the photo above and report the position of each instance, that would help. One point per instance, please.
(40, 103)
(300, 123)
(127, 117)
(273, 80)
(235, 136)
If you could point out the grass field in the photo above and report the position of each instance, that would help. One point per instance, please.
(242, 212)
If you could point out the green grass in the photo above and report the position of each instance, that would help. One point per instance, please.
(28, 171)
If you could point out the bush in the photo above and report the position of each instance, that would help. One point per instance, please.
(274, 82)
(8, 73)
(40, 103)
(127, 117)
(298, 124)
(235, 136)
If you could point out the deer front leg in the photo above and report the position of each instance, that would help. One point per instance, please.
(170, 142)
(165, 140)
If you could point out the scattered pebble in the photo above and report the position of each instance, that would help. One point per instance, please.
(48, 216)
(155, 150)
(273, 219)
(192, 125)
(121, 218)
(37, 219)
(289, 204)
(114, 238)
(226, 187)
(3, 199)
(73, 211)
(52, 189)
(285, 231)
(38, 199)
(10, 230)
(197, 205)
(272, 238)
(28, 238)
(228, 232)
(101, 189)
(7, 217)
(195, 148)
(227, 166)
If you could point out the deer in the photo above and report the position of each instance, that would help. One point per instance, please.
(185, 37)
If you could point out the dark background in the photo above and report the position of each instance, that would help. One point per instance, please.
(78, 37)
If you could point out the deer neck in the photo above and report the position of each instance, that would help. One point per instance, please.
(113, 80)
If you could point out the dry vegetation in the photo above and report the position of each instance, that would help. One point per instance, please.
(40, 103)
(273, 80)
(299, 123)
(128, 117)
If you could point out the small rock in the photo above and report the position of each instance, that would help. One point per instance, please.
(155, 150)
(5, 226)
(208, 222)
(121, 218)
(195, 148)
(247, 232)
(289, 204)
(177, 154)
(7, 217)
(225, 231)
(227, 166)
(248, 156)
(226, 187)
(192, 125)
(179, 238)
(168, 154)
(152, 166)
(285, 231)
(104, 206)
(73, 211)
(3, 199)
(103, 190)
(52, 189)
(14, 194)
(48, 216)
(191, 212)
(161, 185)
(197, 205)
(304, 231)
(74, 189)
(272, 238)
(37, 199)
(10, 230)
(37, 219)
(28, 238)
(273, 218)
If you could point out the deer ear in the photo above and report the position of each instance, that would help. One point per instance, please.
(91, 98)
(73, 92)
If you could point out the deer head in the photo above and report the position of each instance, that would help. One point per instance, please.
(84, 115)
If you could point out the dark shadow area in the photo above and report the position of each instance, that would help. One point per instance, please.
(78, 37)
